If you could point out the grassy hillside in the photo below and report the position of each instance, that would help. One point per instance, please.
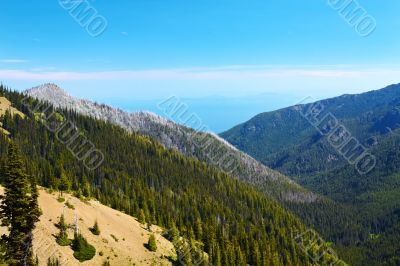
(131, 235)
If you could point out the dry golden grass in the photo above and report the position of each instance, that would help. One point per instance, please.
(5, 105)
(128, 250)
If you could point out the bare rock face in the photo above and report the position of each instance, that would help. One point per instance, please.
(206, 147)
(60, 98)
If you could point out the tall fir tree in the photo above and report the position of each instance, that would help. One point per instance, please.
(19, 210)
(62, 237)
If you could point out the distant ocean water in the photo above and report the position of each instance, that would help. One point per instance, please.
(216, 113)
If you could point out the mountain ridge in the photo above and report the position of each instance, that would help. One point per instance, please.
(332, 220)
(299, 141)
(178, 137)
(249, 135)
(228, 219)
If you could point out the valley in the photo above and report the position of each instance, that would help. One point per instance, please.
(292, 145)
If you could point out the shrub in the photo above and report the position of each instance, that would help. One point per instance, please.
(115, 238)
(95, 229)
(63, 241)
(69, 205)
(60, 199)
(152, 244)
(83, 251)
(53, 262)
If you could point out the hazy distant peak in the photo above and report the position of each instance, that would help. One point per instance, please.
(48, 89)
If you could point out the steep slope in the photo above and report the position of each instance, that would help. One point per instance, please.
(300, 142)
(203, 146)
(292, 143)
(320, 213)
(365, 115)
(132, 236)
(5, 106)
(228, 219)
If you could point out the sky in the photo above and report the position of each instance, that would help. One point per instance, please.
(135, 53)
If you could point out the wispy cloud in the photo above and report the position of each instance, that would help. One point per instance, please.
(124, 33)
(43, 69)
(217, 73)
(13, 61)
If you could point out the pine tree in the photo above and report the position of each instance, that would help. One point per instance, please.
(173, 234)
(83, 251)
(152, 244)
(53, 262)
(2, 251)
(64, 184)
(95, 229)
(62, 238)
(142, 217)
(32, 217)
(19, 210)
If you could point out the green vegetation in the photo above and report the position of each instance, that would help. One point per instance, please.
(60, 199)
(83, 251)
(63, 184)
(226, 218)
(366, 204)
(187, 252)
(62, 237)
(95, 229)
(70, 206)
(19, 210)
(2, 253)
(142, 217)
(53, 262)
(152, 243)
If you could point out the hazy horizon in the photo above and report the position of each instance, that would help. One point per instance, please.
(217, 112)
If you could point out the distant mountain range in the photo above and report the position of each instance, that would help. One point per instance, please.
(288, 141)
(219, 113)
(323, 145)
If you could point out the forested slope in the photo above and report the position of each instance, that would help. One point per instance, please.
(231, 221)
(289, 140)
(335, 221)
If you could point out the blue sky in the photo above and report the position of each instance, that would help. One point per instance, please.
(199, 49)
